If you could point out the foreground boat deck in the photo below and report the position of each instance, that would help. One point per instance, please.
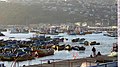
(77, 62)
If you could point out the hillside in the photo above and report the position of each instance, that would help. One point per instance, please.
(59, 12)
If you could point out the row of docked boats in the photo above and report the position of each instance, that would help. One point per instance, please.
(73, 40)
(78, 40)
(61, 47)
(85, 32)
(111, 35)
(24, 55)
(68, 47)
(17, 50)
(81, 33)
(86, 43)
(11, 50)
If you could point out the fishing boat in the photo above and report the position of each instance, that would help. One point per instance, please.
(43, 52)
(82, 33)
(75, 40)
(22, 56)
(58, 47)
(97, 32)
(68, 47)
(1, 34)
(7, 58)
(88, 32)
(94, 43)
(78, 48)
(86, 43)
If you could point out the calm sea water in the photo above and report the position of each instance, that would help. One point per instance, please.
(104, 48)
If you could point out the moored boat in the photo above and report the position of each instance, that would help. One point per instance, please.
(88, 32)
(86, 43)
(78, 48)
(43, 52)
(94, 43)
(58, 47)
(68, 47)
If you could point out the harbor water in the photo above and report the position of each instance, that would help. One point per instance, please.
(105, 47)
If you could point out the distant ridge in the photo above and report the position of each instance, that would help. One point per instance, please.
(58, 12)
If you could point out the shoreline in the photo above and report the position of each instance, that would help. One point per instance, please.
(77, 62)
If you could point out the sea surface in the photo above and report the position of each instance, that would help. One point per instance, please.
(105, 47)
